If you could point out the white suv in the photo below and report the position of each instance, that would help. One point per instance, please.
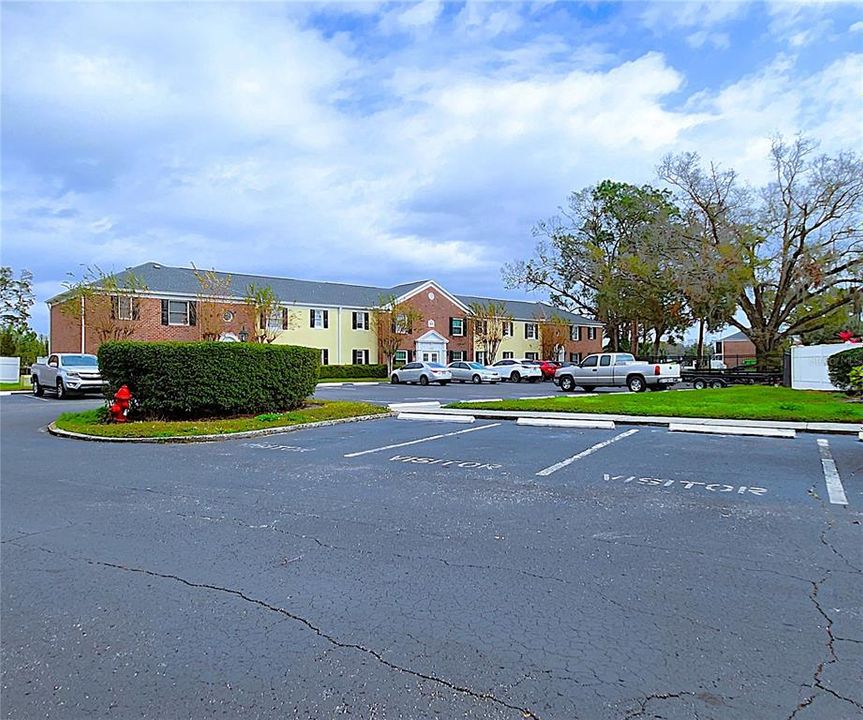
(514, 371)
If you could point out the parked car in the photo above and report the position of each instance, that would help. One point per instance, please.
(547, 367)
(473, 372)
(617, 370)
(514, 371)
(422, 373)
(65, 374)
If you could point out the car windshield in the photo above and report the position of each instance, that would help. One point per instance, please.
(80, 361)
(435, 365)
(476, 366)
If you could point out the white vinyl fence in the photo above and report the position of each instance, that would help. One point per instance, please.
(809, 365)
(9, 369)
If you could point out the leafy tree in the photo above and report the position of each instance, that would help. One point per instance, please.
(487, 323)
(799, 238)
(264, 304)
(108, 301)
(391, 321)
(26, 345)
(16, 299)
(553, 333)
(214, 289)
(609, 254)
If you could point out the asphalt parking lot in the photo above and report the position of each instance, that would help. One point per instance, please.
(404, 569)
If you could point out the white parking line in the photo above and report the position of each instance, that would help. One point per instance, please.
(835, 491)
(584, 453)
(421, 440)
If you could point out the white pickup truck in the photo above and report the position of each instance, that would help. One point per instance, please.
(66, 373)
(617, 370)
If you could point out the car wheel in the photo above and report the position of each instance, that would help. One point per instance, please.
(717, 385)
(394, 379)
(635, 383)
(38, 390)
(567, 384)
(699, 384)
(61, 390)
(476, 379)
(424, 380)
(515, 377)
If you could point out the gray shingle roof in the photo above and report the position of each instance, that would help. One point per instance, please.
(158, 278)
(739, 335)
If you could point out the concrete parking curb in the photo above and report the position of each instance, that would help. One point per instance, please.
(348, 382)
(4, 393)
(734, 430)
(660, 421)
(182, 439)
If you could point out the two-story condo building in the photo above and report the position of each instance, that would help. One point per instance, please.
(335, 317)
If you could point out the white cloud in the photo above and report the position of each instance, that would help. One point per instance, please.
(699, 39)
(337, 156)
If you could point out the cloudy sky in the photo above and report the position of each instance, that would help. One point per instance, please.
(379, 143)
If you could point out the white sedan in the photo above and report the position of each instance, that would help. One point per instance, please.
(473, 372)
(422, 373)
(514, 371)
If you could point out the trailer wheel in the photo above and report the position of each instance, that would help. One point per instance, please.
(699, 384)
(717, 385)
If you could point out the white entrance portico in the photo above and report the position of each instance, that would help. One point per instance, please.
(431, 347)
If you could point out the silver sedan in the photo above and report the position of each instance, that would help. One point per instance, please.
(422, 373)
(472, 372)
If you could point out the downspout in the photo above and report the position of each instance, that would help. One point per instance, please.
(339, 336)
(83, 350)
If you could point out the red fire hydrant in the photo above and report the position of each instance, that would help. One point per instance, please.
(120, 407)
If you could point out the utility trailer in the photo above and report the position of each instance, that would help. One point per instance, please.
(712, 378)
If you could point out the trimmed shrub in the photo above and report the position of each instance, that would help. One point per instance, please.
(839, 366)
(192, 380)
(328, 372)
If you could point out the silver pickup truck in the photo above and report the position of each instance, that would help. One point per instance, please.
(617, 370)
(66, 373)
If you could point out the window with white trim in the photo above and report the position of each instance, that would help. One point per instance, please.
(456, 327)
(401, 357)
(124, 307)
(325, 356)
(507, 328)
(531, 331)
(401, 324)
(575, 357)
(531, 356)
(276, 320)
(457, 355)
(361, 357)
(319, 319)
(480, 357)
(178, 312)
(575, 332)
(360, 320)
(507, 355)
(591, 333)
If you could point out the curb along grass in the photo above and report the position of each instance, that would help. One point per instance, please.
(746, 403)
(86, 426)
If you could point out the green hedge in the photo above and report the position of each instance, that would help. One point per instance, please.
(328, 372)
(191, 380)
(839, 366)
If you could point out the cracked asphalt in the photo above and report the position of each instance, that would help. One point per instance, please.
(368, 571)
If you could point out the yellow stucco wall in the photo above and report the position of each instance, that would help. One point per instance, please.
(340, 326)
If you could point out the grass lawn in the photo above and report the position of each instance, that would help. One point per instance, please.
(737, 402)
(22, 384)
(88, 421)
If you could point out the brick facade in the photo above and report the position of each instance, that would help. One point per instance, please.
(439, 310)
(66, 326)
